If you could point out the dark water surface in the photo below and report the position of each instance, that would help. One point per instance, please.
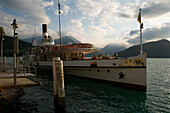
(85, 96)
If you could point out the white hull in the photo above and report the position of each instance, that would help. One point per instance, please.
(117, 71)
(132, 75)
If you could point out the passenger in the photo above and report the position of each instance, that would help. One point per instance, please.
(106, 56)
(94, 57)
(100, 56)
(116, 56)
(83, 56)
(74, 57)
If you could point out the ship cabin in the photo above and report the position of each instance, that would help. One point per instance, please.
(65, 52)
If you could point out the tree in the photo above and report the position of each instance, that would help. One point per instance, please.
(2, 30)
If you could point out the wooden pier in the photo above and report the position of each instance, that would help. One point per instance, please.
(7, 88)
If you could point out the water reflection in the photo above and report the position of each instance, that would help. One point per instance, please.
(98, 97)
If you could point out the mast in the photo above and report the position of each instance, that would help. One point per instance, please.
(35, 31)
(59, 12)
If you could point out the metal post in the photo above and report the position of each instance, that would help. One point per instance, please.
(2, 52)
(29, 70)
(15, 73)
(141, 39)
(15, 25)
(24, 72)
(14, 61)
(59, 22)
(4, 64)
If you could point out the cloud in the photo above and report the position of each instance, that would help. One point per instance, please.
(124, 15)
(76, 23)
(31, 9)
(66, 9)
(6, 21)
(47, 4)
(25, 30)
(155, 33)
(154, 9)
(133, 32)
(89, 7)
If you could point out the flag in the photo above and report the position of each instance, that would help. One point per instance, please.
(139, 16)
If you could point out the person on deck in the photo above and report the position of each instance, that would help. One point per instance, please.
(116, 56)
(106, 56)
(94, 57)
(83, 56)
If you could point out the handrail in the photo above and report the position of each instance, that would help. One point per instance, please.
(24, 69)
(29, 69)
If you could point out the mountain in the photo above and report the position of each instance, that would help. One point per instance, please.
(65, 40)
(38, 38)
(157, 49)
(8, 46)
(110, 49)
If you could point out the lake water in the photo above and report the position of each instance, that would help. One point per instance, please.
(85, 96)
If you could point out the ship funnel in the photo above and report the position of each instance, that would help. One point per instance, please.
(44, 29)
(47, 40)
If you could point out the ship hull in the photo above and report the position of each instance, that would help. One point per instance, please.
(132, 77)
(129, 72)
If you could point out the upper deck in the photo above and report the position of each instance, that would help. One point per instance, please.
(65, 52)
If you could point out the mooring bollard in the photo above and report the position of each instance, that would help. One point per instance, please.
(58, 84)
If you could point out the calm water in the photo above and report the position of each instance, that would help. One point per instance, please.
(85, 96)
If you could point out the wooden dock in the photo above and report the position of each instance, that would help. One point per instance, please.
(7, 88)
(6, 83)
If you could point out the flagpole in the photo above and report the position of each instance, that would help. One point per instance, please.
(141, 25)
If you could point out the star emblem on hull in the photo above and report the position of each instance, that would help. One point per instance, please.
(121, 75)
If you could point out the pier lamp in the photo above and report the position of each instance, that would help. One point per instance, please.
(15, 26)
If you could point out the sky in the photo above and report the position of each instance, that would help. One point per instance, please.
(99, 22)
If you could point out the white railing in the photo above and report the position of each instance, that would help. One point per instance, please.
(27, 69)
(24, 69)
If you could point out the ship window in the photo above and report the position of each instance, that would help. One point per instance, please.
(108, 71)
(98, 70)
(90, 70)
(80, 54)
(114, 64)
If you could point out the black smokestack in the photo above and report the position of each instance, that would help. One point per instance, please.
(44, 28)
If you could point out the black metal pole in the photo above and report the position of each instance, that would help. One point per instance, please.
(14, 60)
(2, 66)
